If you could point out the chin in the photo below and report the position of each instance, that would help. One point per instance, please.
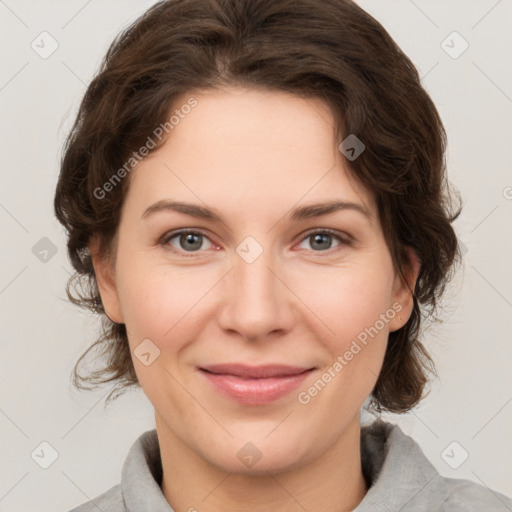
(258, 457)
(267, 464)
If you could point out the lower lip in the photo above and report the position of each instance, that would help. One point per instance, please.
(255, 391)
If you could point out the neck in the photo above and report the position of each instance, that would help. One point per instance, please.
(332, 482)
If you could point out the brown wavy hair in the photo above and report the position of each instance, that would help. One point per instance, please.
(329, 49)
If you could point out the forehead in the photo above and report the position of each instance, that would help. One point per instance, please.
(248, 148)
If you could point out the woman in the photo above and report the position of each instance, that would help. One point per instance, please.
(257, 131)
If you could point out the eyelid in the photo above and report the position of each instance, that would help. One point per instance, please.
(344, 237)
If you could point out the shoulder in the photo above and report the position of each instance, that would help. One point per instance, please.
(140, 481)
(438, 492)
(465, 495)
(109, 501)
(402, 478)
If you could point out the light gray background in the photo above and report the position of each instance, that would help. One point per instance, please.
(42, 335)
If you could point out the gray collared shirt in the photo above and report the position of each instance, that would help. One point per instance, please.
(400, 479)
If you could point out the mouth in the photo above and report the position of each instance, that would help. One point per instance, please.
(255, 385)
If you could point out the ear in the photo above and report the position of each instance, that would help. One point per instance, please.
(104, 270)
(401, 292)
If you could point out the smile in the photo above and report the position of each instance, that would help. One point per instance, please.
(255, 385)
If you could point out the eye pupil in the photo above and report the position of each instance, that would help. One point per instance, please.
(318, 238)
(189, 238)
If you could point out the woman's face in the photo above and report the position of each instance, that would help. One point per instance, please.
(260, 281)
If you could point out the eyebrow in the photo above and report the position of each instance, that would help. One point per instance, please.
(300, 213)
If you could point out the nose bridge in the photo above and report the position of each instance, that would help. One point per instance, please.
(255, 285)
(257, 301)
(253, 279)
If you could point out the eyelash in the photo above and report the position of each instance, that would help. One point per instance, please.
(344, 240)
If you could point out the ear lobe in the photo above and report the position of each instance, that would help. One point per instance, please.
(402, 294)
(104, 271)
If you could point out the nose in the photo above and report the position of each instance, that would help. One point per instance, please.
(257, 301)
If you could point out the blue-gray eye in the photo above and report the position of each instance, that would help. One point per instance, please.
(322, 240)
(188, 241)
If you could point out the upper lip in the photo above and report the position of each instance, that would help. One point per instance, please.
(262, 371)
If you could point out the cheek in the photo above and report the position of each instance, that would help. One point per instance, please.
(355, 306)
(159, 303)
(345, 301)
(161, 306)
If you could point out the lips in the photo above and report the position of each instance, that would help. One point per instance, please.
(255, 372)
(255, 385)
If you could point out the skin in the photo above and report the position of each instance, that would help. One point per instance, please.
(253, 156)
